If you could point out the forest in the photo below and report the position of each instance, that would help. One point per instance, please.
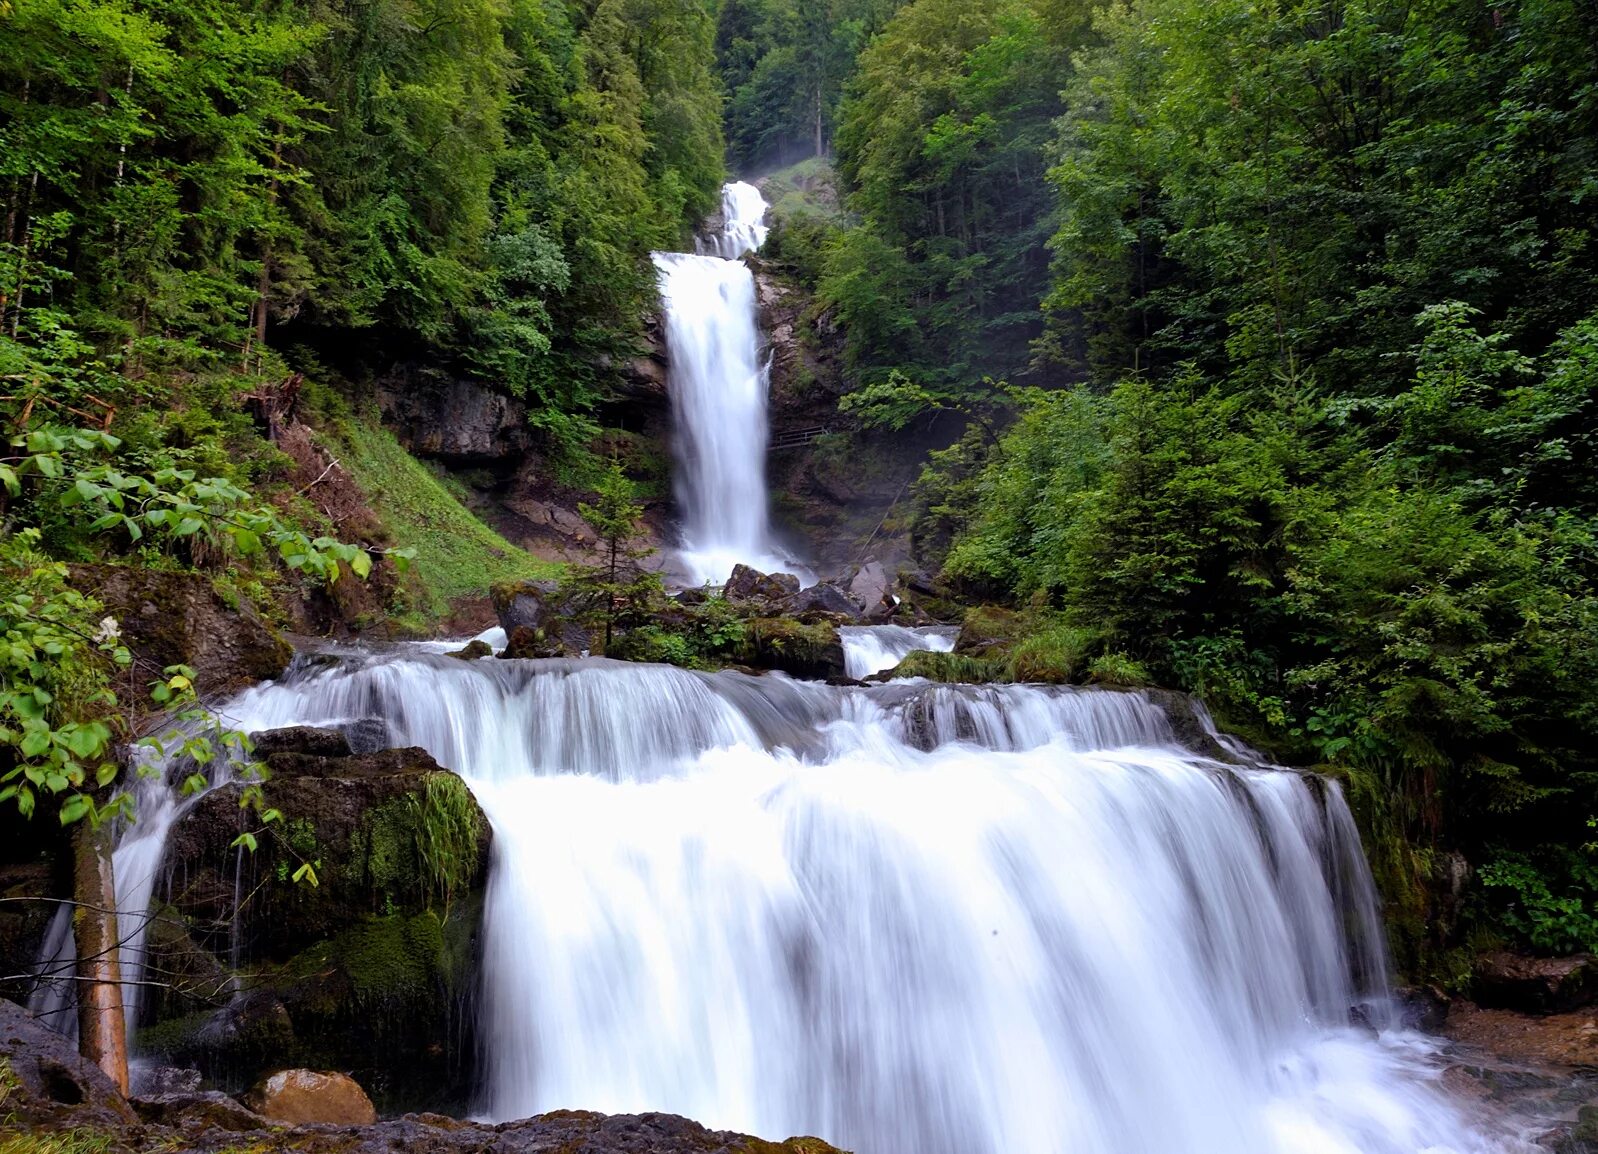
(1246, 348)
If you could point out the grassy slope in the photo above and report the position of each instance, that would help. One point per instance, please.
(457, 556)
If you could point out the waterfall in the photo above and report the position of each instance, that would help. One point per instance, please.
(718, 384)
(869, 649)
(910, 918)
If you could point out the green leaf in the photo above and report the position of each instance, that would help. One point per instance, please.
(35, 743)
(74, 808)
(245, 840)
(306, 874)
(361, 564)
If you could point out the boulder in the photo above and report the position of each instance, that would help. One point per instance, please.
(300, 1096)
(371, 970)
(871, 590)
(47, 1084)
(822, 598)
(300, 739)
(473, 651)
(811, 651)
(1509, 981)
(748, 584)
(177, 618)
(538, 620)
(198, 1110)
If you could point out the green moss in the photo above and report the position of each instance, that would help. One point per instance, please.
(947, 667)
(424, 843)
(393, 959)
(457, 555)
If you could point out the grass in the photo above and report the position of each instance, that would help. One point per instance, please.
(457, 556)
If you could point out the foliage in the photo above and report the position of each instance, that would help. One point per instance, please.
(618, 587)
(1551, 906)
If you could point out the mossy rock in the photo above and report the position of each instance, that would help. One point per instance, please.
(991, 631)
(788, 644)
(385, 833)
(950, 668)
(171, 617)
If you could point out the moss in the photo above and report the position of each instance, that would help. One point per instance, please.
(422, 845)
(456, 554)
(393, 959)
(946, 667)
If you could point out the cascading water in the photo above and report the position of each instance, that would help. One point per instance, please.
(910, 919)
(869, 649)
(718, 385)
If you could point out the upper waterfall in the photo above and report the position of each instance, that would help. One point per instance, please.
(718, 382)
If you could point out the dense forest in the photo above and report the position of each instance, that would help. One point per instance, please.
(1272, 329)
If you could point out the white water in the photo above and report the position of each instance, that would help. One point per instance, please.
(869, 649)
(913, 919)
(136, 864)
(718, 382)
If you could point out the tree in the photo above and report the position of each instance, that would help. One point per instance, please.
(618, 584)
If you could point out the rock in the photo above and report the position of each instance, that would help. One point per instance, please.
(367, 735)
(361, 816)
(870, 589)
(748, 584)
(1535, 985)
(370, 971)
(178, 618)
(437, 415)
(1422, 1007)
(822, 598)
(538, 620)
(199, 1110)
(300, 1096)
(47, 1084)
(795, 648)
(474, 650)
(300, 739)
(165, 1081)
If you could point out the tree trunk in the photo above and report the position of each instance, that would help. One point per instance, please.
(102, 1032)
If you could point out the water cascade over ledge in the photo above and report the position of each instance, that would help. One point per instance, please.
(718, 382)
(909, 919)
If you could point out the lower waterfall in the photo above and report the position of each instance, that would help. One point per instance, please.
(909, 919)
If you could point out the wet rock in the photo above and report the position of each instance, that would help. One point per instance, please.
(367, 735)
(165, 1081)
(300, 1096)
(747, 584)
(800, 650)
(822, 598)
(1422, 1007)
(199, 1110)
(538, 620)
(371, 970)
(48, 1084)
(473, 651)
(301, 739)
(386, 827)
(177, 618)
(1535, 985)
